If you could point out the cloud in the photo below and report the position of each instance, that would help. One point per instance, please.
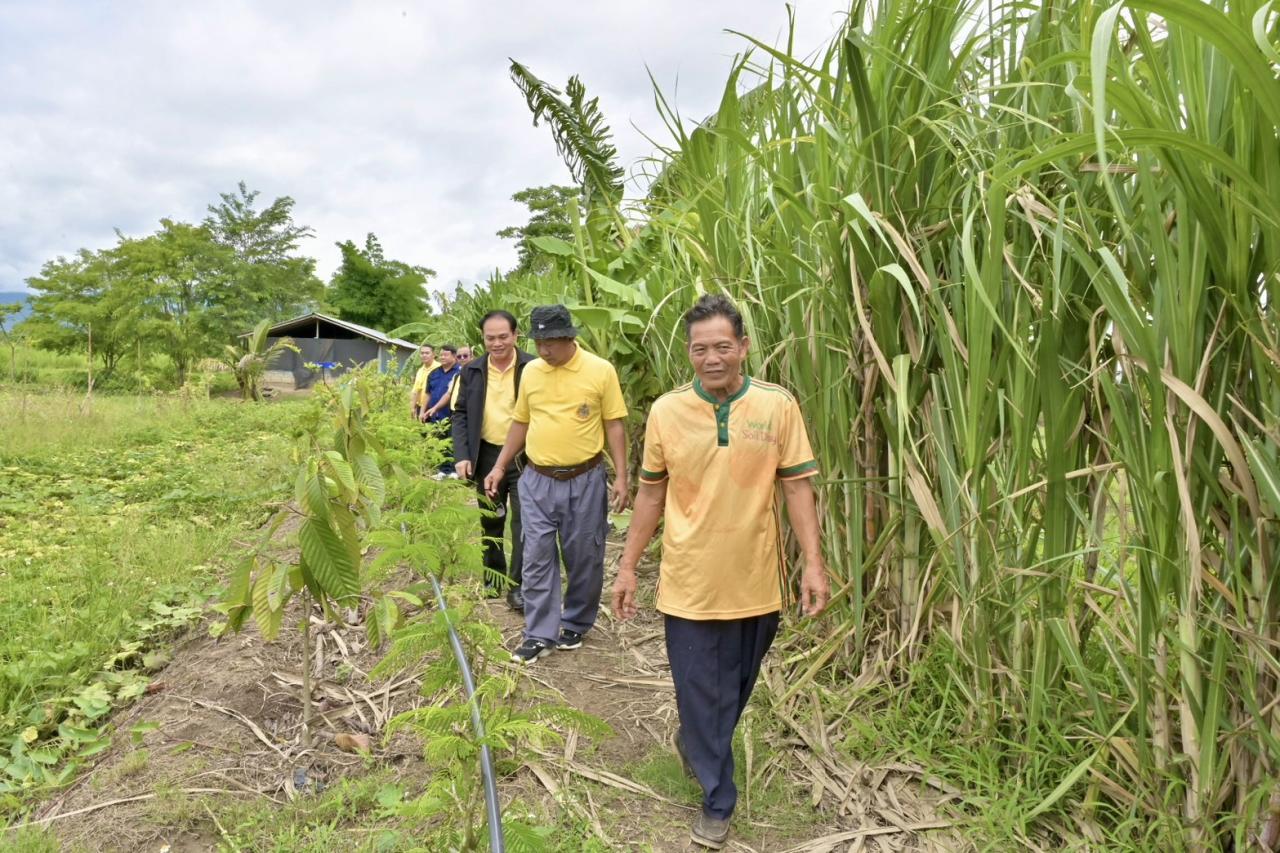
(392, 118)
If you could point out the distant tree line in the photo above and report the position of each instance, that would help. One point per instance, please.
(188, 290)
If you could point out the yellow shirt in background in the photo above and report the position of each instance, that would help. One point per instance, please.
(419, 393)
(566, 407)
(499, 403)
(721, 553)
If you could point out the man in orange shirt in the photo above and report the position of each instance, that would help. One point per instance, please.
(715, 451)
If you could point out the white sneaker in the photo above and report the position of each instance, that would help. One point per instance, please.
(452, 476)
(437, 476)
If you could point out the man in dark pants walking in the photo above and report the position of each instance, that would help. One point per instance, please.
(714, 451)
(570, 403)
(486, 399)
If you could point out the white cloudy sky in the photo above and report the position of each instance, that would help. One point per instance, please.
(395, 118)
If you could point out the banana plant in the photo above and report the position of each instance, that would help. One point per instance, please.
(250, 360)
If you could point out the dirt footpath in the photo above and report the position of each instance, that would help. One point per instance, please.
(221, 723)
(804, 803)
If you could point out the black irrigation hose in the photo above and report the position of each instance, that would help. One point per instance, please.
(497, 843)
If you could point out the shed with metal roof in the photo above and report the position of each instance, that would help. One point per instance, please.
(333, 345)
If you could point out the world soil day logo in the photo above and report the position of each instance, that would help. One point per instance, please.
(760, 431)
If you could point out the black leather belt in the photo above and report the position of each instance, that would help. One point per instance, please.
(568, 472)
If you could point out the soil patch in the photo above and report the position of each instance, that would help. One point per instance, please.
(223, 720)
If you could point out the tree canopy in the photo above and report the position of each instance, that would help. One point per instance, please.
(549, 209)
(373, 290)
(272, 279)
(185, 290)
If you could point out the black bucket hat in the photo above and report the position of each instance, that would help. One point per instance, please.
(551, 321)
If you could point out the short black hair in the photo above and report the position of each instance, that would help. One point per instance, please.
(506, 315)
(425, 345)
(449, 348)
(714, 305)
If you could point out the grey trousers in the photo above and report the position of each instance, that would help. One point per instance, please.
(568, 517)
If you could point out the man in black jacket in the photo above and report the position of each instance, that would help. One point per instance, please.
(481, 418)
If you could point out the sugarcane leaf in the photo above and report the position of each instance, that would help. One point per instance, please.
(1266, 472)
(552, 245)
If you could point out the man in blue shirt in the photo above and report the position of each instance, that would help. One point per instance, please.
(439, 386)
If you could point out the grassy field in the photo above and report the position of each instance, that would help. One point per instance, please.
(123, 514)
(114, 517)
(26, 366)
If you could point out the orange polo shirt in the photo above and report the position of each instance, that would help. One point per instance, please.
(721, 551)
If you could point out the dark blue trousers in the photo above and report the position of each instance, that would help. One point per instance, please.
(714, 664)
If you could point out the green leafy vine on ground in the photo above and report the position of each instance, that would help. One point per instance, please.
(112, 523)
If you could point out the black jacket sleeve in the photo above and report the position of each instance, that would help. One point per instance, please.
(461, 449)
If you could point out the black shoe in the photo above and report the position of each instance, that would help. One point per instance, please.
(569, 640)
(684, 758)
(515, 599)
(530, 650)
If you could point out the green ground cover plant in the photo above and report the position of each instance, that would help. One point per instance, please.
(113, 521)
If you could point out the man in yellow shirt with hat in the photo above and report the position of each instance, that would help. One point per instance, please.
(715, 451)
(569, 403)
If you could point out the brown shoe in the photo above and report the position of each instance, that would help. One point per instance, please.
(710, 831)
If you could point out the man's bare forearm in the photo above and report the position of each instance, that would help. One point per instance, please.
(803, 513)
(651, 499)
(513, 445)
(615, 432)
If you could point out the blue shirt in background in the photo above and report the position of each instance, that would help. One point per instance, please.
(438, 384)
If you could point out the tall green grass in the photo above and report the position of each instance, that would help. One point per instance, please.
(25, 365)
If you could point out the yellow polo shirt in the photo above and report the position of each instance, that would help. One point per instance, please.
(721, 553)
(419, 393)
(566, 407)
(454, 386)
(499, 403)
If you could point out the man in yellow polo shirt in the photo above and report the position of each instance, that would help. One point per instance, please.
(714, 452)
(484, 401)
(418, 394)
(569, 403)
(464, 356)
